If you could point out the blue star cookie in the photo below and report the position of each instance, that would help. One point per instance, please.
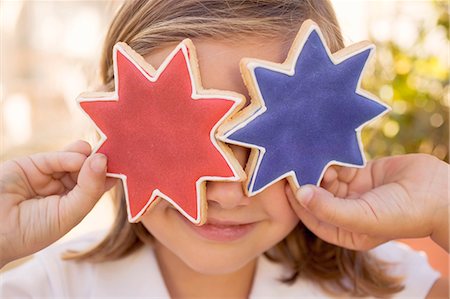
(306, 113)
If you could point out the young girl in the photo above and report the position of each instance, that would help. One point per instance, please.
(313, 243)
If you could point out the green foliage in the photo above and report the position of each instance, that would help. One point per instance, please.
(416, 86)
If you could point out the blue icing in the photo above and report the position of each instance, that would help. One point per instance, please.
(311, 116)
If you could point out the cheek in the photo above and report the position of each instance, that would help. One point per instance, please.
(277, 207)
(151, 221)
(155, 220)
(162, 223)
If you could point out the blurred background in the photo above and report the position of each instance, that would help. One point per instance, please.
(50, 52)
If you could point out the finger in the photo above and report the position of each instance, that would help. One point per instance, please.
(79, 146)
(342, 190)
(309, 220)
(330, 179)
(331, 233)
(354, 215)
(330, 175)
(54, 162)
(325, 231)
(332, 185)
(38, 170)
(347, 174)
(68, 182)
(90, 187)
(336, 235)
(335, 180)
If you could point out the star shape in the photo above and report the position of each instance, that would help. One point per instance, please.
(306, 113)
(158, 131)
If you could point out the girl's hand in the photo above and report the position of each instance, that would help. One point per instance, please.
(43, 196)
(393, 197)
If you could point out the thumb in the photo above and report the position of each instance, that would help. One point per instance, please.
(352, 214)
(90, 187)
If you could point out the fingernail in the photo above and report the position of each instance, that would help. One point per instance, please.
(98, 163)
(304, 195)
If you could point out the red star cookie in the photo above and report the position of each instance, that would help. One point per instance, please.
(158, 131)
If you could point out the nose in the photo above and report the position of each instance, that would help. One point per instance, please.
(226, 195)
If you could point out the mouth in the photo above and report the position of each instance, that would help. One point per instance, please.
(221, 230)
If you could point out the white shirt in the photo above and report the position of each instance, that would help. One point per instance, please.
(138, 275)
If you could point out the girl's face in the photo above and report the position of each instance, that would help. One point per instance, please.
(238, 228)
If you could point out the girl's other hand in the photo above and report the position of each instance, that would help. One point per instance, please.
(43, 196)
(393, 197)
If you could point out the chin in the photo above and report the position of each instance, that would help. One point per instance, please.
(215, 262)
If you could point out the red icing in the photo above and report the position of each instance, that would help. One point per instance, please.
(158, 136)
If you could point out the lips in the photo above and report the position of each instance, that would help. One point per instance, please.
(222, 230)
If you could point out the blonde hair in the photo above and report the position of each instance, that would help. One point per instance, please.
(148, 25)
